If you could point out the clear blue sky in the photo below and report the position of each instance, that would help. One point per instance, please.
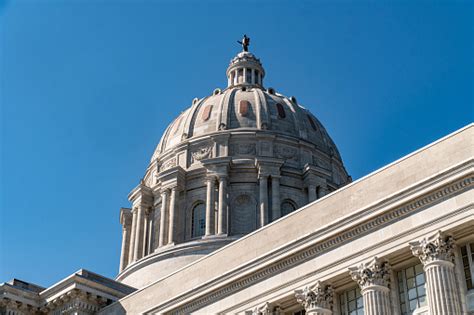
(88, 87)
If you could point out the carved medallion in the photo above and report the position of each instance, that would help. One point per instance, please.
(287, 153)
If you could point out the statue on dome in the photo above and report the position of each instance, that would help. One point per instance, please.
(245, 43)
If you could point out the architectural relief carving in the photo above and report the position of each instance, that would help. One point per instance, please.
(376, 272)
(262, 309)
(201, 154)
(319, 296)
(286, 153)
(242, 149)
(434, 248)
(169, 164)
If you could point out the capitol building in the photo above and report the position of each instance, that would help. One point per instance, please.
(246, 208)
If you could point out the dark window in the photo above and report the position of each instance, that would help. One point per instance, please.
(281, 110)
(467, 255)
(287, 206)
(198, 227)
(248, 75)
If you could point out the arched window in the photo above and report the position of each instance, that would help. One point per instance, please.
(198, 226)
(287, 206)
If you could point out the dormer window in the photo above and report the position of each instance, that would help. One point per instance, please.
(281, 111)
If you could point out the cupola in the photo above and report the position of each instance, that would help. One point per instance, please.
(245, 68)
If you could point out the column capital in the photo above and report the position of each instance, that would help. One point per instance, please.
(375, 273)
(125, 217)
(317, 297)
(268, 166)
(210, 178)
(438, 247)
(164, 192)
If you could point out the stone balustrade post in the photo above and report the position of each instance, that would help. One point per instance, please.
(316, 300)
(210, 182)
(436, 253)
(374, 278)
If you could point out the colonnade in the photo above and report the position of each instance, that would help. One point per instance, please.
(146, 228)
(373, 277)
(255, 76)
(221, 205)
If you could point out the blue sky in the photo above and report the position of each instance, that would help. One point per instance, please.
(88, 87)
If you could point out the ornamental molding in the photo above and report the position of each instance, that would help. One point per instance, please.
(373, 273)
(75, 301)
(438, 247)
(331, 243)
(317, 296)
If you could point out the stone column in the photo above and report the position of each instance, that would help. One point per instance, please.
(146, 231)
(436, 253)
(210, 206)
(316, 300)
(374, 278)
(236, 77)
(139, 233)
(312, 193)
(244, 79)
(172, 220)
(263, 200)
(132, 236)
(150, 237)
(164, 210)
(126, 220)
(222, 210)
(124, 256)
(276, 205)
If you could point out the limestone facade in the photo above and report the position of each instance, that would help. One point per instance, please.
(398, 241)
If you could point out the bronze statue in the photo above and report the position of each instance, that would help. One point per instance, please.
(245, 43)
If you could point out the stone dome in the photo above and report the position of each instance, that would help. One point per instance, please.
(246, 105)
(231, 163)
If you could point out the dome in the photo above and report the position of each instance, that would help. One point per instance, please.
(245, 105)
(231, 163)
